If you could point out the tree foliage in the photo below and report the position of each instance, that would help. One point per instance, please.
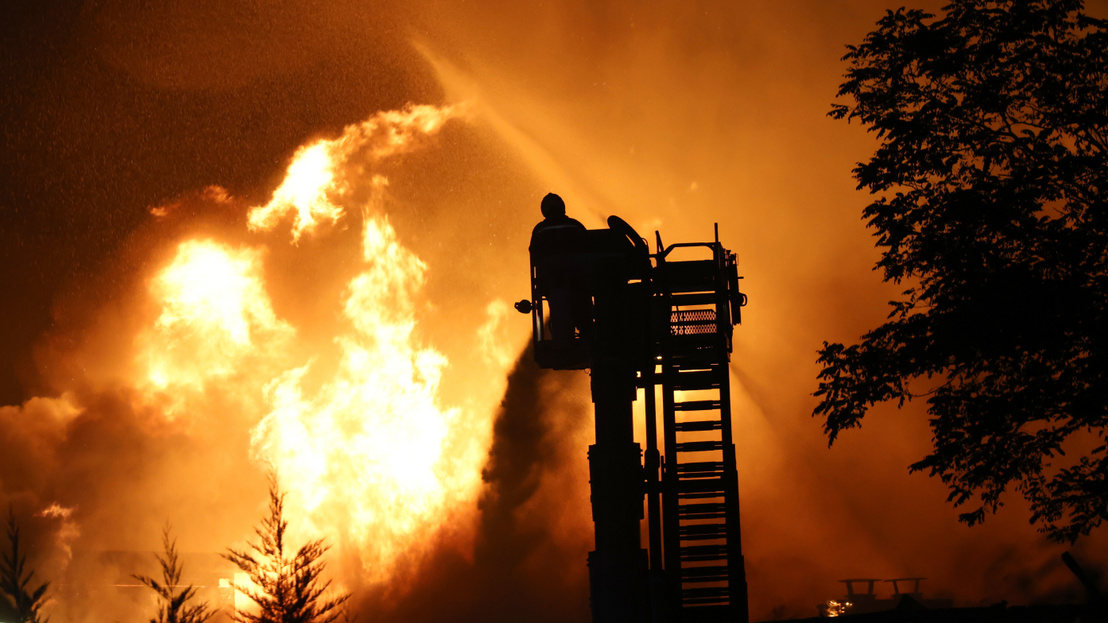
(173, 599)
(15, 580)
(287, 589)
(991, 209)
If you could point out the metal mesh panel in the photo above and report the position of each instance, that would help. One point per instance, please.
(693, 322)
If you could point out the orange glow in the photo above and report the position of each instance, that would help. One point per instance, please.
(304, 192)
(215, 316)
(833, 608)
(175, 349)
(355, 427)
(371, 457)
(314, 181)
(68, 531)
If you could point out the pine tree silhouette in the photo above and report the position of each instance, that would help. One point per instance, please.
(173, 597)
(287, 589)
(15, 580)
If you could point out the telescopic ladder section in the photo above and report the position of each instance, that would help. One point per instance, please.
(697, 302)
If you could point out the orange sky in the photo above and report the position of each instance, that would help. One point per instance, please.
(674, 116)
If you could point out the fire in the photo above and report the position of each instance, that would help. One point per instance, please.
(309, 180)
(371, 457)
(356, 430)
(211, 284)
(834, 608)
(215, 319)
(315, 180)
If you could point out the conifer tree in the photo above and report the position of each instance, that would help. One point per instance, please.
(15, 580)
(174, 607)
(286, 588)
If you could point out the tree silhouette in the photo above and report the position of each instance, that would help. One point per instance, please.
(287, 589)
(15, 580)
(173, 606)
(991, 208)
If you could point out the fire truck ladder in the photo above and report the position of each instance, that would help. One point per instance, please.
(696, 304)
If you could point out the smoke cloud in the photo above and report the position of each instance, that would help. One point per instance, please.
(132, 129)
(533, 529)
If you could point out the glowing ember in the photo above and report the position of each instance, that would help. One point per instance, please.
(834, 608)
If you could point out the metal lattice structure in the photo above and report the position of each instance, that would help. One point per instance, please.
(660, 325)
(702, 545)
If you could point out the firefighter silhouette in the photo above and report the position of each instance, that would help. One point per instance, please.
(556, 246)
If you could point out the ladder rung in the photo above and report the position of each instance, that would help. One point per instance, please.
(700, 532)
(697, 425)
(704, 552)
(699, 446)
(695, 359)
(699, 495)
(706, 510)
(687, 368)
(697, 405)
(699, 349)
(700, 486)
(707, 573)
(698, 379)
(699, 468)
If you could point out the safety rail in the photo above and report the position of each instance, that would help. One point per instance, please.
(693, 322)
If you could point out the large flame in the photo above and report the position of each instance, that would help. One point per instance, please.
(215, 318)
(369, 456)
(304, 192)
(314, 183)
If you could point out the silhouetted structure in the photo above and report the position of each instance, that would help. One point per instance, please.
(556, 244)
(664, 325)
(856, 602)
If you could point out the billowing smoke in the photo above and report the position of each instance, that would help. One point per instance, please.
(534, 529)
(136, 130)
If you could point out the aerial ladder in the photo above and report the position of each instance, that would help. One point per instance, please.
(661, 323)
